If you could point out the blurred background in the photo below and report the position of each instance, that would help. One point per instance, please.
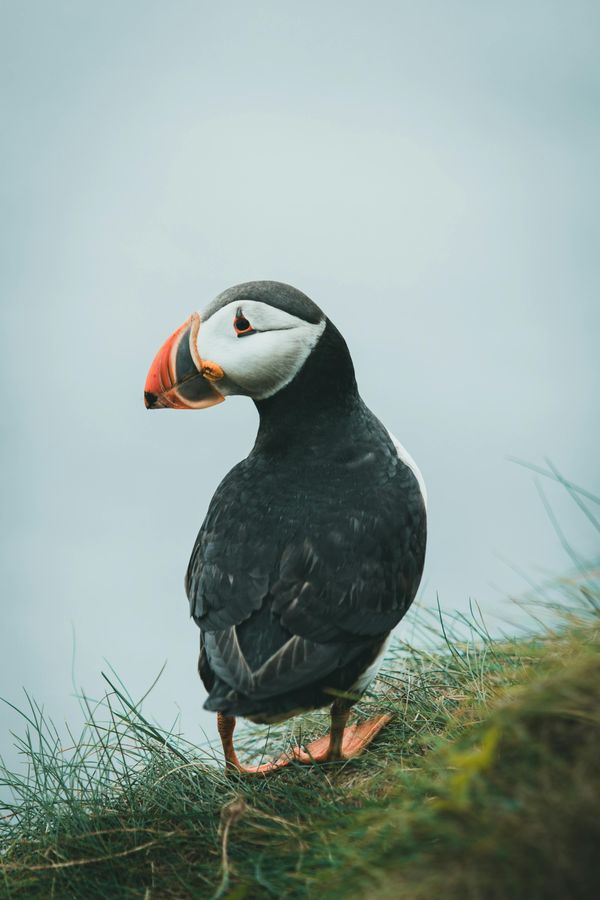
(426, 172)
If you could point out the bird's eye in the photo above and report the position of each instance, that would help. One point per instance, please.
(242, 326)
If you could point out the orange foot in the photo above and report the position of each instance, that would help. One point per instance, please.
(354, 741)
(233, 766)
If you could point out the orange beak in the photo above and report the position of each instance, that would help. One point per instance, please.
(178, 377)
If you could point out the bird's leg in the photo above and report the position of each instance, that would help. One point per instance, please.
(226, 727)
(340, 711)
(341, 743)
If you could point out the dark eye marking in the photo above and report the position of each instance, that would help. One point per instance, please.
(241, 325)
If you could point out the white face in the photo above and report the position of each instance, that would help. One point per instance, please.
(261, 362)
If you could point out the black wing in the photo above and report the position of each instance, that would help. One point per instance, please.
(288, 589)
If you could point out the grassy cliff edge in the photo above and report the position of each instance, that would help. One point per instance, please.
(486, 784)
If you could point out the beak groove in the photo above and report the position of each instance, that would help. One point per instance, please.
(176, 379)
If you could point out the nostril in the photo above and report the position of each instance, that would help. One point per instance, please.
(150, 399)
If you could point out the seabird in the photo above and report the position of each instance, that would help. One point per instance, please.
(313, 546)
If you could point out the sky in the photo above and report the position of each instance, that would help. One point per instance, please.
(427, 173)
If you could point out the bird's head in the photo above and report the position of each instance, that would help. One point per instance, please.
(253, 339)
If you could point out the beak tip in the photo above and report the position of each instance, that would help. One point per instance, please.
(150, 399)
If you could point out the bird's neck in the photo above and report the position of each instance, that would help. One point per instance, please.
(316, 407)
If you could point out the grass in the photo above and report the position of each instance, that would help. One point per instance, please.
(486, 784)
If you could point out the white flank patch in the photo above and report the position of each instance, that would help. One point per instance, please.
(369, 675)
(407, 459)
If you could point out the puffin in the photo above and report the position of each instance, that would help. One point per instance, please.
(313, 546)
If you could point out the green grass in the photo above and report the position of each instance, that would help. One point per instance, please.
(486, 784)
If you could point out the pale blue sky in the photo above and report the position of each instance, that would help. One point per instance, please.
(427, 172)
